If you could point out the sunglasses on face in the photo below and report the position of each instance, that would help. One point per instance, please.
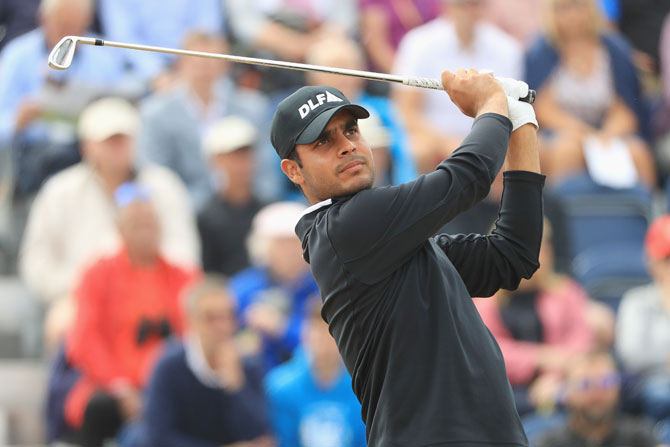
(605, 382)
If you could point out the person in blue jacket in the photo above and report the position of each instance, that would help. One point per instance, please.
(310, 398)
(271, 294)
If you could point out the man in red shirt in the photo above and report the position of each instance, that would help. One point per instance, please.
(126, 305)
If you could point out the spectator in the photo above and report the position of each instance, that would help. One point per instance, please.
(539, 327)
(641, 22)
(72, 220)
(126, 304)
(225, 221)
(311, 400)
(345, 53)
(38, 104)
(662, 118)
(174, 121)
(272, 294)
(643, 326)
(163, 23)
(17, 17)
(385, 22)
(592, 397)
(286, 28)
(588, 98)
(461, 39)
(202, 392)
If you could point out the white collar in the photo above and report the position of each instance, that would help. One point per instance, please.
(316, 206)
(197, 363)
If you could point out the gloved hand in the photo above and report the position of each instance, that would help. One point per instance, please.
(513, 87)
(520, 113)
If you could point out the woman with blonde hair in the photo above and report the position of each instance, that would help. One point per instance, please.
(589, 99)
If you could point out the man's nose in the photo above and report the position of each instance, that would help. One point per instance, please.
(346, 146)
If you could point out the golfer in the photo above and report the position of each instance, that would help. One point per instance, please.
(396, 297)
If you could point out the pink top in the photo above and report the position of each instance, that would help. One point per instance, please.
(562, 312)
(403, 15)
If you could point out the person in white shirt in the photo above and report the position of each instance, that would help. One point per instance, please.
(643, 327)
(457, 38)
(72, 221)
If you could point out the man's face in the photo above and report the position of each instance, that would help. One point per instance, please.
(466, 13)
(200, 69)
(70, 18)
(139, 228)
(338, 163)
(236, 166)
(213, 319)
(111, 155)
(593, 389)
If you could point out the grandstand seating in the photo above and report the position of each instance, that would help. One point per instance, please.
(607, 228)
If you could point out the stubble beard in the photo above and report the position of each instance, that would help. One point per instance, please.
(338, 189)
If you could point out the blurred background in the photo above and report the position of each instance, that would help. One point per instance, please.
(153, 292)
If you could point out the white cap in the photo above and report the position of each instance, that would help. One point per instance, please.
(106, 117)
(277, 220)
(227, 135)
(374, 132)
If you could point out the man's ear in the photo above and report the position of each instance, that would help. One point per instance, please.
(292, 171)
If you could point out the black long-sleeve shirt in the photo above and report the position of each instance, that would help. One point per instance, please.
(398, 301)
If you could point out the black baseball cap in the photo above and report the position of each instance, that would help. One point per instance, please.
(301, 117)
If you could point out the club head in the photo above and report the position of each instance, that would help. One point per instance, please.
(62, 54)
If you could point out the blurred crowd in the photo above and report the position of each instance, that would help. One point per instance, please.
(150, 230)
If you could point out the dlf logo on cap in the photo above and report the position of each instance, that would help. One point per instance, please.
(302, 116)
(320, 98)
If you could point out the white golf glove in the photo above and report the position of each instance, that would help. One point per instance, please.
(520, 113)
(513, 87)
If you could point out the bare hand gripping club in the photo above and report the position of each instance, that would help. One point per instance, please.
(63, 53)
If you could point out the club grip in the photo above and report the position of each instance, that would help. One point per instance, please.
(437, 85)
(530, 97)
(424, 83)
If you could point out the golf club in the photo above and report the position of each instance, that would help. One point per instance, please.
(61, 57)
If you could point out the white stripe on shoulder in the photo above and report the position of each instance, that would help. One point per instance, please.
(316, 206)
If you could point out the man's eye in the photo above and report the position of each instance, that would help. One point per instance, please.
(352, 131)
(322, 141)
